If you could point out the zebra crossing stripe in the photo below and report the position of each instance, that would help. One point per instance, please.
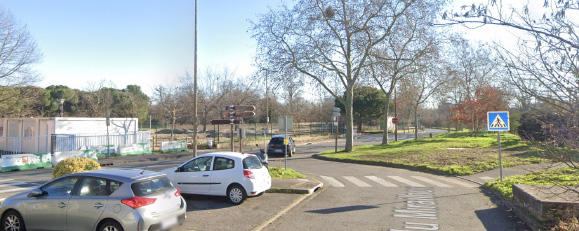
(381, 181)
(432, 182)
(332, 181)
(486, 178)
(14, 190)
(4, 180)
(457, 182)
(13, 184)
(405, 181)
(357, 182)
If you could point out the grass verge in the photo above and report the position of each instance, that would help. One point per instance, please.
(561, 176)
(285, 173)
(460, 153)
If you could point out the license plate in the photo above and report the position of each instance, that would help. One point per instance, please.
(168, 223)
(278, 150)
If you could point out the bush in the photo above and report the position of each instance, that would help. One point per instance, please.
(73, 165)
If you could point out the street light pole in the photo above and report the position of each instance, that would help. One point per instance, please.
(61, 107)
(195, 88)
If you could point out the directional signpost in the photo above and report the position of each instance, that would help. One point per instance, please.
(498, 121)
(237, 111)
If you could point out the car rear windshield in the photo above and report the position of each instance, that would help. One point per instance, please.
(251, 162)
(151, 186)
(276, 141)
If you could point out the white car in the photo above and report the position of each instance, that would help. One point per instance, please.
(231, 174)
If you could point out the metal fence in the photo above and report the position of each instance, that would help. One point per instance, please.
(69, 142)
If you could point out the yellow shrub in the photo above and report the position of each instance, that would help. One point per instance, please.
(74, 164)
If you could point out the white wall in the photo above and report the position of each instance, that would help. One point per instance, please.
(95, 126)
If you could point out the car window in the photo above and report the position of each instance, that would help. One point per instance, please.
(199, 164)
(221, 163)
(61, 187)
(151, 186)
(251, 162)
(276, 141)
(91, 186)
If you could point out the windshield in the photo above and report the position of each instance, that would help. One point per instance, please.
(251, 162)
(276, 141)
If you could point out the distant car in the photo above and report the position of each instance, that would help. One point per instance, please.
(102, 200)
(276, 145)
(231, 174)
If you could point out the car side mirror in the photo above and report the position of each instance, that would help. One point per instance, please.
(179, 169)
(36, 193)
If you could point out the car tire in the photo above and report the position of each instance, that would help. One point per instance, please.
(12, 221)
(110, 225)
(236, 194)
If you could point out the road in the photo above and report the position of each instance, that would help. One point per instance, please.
(355, 197)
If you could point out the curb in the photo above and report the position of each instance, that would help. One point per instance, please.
(296, 190)
(295, 203)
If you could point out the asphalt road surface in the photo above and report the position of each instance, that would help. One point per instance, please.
(354, 197)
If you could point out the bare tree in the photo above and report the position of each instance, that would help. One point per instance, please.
(166, 98)
(327, 41)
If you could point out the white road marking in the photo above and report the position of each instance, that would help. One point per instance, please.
(2, 199)
(4, 180)
(13, 184)
(381, 181)
(432, 182)
(486, 178)
(405, 181)
(332, 181)
(357, 182)
(457, 182)
(14, 190)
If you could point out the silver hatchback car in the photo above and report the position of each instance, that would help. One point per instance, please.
(103, 200)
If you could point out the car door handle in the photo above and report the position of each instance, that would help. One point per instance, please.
(61, 205)
(98, 205)
(206, 175)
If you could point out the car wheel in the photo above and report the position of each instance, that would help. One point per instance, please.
(12, 221)
(236, 194)
(110, 226)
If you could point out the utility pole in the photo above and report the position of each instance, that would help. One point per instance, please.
(266, 113)
(195, 88)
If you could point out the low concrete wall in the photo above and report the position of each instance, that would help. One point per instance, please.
(541, 206)
(25, 161)
(174, 146)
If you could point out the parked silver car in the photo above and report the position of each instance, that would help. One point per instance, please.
(103, 200)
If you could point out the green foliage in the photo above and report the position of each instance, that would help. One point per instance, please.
(560, 176)
(368, 104)
(460, 153)
(285, 173)
(73, 165)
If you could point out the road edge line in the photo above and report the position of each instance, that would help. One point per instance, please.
(296, 202)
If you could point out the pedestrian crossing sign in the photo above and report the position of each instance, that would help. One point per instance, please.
(498, 121)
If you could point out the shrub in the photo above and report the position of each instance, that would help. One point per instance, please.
(74, 164)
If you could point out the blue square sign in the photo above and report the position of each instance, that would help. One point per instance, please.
(498, 121)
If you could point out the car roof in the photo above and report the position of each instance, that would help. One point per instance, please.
(229, 154)
(280, 136)
(124, 175)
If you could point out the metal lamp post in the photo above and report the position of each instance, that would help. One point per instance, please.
(61, 107)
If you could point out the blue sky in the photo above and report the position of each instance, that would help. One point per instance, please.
(144, 42)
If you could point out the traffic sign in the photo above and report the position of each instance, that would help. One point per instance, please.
(213, 122)
(394, 120)
(498, 121)
(238, 114)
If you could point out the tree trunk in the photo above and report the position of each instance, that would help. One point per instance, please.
(349, 119)
(416, 122)
(387, 110)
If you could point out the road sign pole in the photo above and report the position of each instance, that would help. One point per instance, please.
(500, 156)
(336, 143)
(231, 137)
(285, 145)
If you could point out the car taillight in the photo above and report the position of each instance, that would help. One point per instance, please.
(248, 174)
(178, 193)
(137, 202)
